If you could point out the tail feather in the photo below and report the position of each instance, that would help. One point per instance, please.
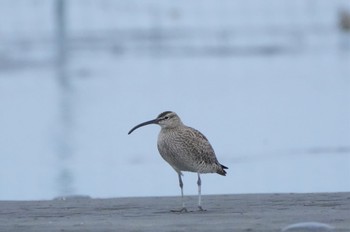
(221, 170)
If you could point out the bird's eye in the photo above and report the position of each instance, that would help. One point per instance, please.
(166, 117)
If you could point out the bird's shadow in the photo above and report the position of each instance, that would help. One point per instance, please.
(181, 211)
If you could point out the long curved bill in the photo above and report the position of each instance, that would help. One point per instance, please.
(154, 121)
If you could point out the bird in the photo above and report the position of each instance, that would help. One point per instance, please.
(185, 149)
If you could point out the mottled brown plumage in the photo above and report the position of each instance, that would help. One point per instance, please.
(185, 149)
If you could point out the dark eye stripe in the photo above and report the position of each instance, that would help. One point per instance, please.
(164, 113)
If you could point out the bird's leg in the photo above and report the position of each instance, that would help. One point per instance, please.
(182, 196)
(199, 183)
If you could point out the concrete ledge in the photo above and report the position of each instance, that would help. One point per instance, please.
(250, 212)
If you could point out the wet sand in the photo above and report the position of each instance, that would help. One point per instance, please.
(246, 212)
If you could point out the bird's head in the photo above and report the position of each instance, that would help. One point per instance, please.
(167, 119)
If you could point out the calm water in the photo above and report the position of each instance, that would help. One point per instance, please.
(275, 107)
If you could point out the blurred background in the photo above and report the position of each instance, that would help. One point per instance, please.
(267, 82)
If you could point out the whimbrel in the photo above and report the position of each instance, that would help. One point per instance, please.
(185, 149)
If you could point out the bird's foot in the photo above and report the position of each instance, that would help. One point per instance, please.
(201, 209)
(183, 210)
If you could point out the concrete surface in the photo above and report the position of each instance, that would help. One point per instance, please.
(249, 212)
